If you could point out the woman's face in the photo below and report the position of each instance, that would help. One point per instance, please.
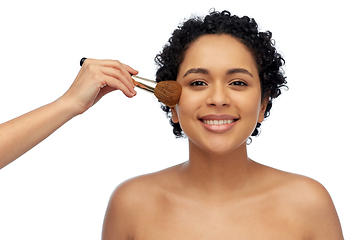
(221, 96)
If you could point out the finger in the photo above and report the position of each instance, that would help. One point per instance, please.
(111, 63)
(130, 69)
(115, 73)
(123, 68)
(115, 83)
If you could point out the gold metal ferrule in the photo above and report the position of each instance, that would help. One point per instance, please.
(145, 84)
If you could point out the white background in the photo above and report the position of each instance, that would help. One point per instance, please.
(60, 189)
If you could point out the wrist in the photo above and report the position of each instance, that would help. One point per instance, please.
(67, 109)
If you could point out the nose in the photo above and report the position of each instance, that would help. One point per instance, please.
(218, 96)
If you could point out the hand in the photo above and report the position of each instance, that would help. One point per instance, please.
(96, 78)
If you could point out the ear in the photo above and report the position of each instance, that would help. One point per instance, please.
(263, 106)
(174, 116)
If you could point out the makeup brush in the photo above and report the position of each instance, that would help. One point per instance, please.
(168, 92)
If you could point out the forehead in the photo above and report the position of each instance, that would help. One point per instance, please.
(217, 52)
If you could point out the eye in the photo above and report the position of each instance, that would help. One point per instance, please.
(238, 83)
(198, 83)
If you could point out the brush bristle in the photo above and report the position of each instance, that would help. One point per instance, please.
(168, 92)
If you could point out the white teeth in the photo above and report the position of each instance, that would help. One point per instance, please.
(218, 122)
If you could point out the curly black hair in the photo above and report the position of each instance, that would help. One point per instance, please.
(245, 29)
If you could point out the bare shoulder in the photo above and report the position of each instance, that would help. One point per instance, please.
(131, 201)
(135, 188)
(292, 185)
(307, 201)
(140, 189)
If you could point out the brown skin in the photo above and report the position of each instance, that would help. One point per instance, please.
(273, 205)
(96, 78)
(219, 193)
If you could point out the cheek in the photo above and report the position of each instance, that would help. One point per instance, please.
(249, 104)
(188, 96)
(189, 102)
(186, 110)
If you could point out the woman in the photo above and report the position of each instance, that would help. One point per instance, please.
(230, 73)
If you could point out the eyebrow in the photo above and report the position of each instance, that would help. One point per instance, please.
(239, 70)
(206, 71)
(196, 70)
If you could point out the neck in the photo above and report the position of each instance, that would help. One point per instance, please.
(210, 174)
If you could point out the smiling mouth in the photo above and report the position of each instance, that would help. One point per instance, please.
(218, 122)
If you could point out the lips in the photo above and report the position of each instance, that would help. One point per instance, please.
(218, 123)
